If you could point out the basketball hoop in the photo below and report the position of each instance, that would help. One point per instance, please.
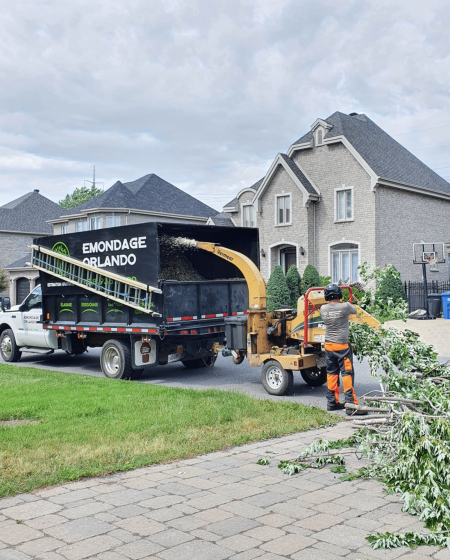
(430, 258)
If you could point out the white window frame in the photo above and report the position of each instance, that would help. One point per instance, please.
(336, 205)
(77, 228)
(243, 221)
(333, 251)
(64, 229)
(319, 142)
(115, 218)
(277, 197)
(96, 220)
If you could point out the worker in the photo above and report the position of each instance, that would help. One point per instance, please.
(338, 352)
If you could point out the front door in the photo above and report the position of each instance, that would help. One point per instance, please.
(288, 257)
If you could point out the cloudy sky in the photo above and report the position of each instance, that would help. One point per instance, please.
(205, 93)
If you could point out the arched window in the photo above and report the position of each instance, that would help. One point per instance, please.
(344, 262)
(22, 289)
(320, 137)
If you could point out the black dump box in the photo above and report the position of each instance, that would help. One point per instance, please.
(197, 286)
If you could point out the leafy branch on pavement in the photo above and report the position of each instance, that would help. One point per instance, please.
(406, 439)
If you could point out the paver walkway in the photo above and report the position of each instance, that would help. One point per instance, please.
(217, 506)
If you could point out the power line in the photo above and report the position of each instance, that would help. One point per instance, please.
(421, 130)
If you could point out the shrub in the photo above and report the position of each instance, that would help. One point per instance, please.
(294, 284)
(3, 280)
(278, 294)
(311, 278)
(390, 288)
(324, 281)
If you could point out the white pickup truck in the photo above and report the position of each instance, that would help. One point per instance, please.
(21, 329)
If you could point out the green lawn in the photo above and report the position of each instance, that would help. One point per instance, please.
(88, 426)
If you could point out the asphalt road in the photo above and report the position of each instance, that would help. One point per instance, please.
(225, 375)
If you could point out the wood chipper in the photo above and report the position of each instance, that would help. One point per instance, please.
(284, 341)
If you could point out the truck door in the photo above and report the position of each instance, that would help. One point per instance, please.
(31, 332)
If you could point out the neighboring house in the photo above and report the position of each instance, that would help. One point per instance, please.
(149, 199)
(345, 193)
(20, 221)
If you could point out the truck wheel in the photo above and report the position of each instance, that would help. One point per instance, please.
(8, 347)
(275, 379)
(314, 376)
(239, 359)
(115, 360)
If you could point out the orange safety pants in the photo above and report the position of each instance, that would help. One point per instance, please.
(339, 359)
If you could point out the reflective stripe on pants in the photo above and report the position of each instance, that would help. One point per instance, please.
(339, 359)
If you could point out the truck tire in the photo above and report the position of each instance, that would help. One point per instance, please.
(8, 347)
(275, 379)
(115, 360)
(314, 376)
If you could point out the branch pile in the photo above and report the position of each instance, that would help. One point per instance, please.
(406, 437)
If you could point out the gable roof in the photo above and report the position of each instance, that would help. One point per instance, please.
(255, 187)
(149, 193)
(29, 214)
(388, 159)
(221, 219)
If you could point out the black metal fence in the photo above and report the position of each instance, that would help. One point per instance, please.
(414, 292)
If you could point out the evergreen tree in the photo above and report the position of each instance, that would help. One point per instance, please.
(278, 294)
(311, 278)
(390, 287)
(294, 283)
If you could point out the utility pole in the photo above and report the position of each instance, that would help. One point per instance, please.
(93, 183)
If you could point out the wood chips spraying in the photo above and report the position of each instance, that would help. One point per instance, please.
(175, 263)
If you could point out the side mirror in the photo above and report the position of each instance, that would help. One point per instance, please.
(6, 303)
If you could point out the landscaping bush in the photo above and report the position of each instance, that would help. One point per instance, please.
(294, 284)
(277, 291)
(311, 278)
(390, 288)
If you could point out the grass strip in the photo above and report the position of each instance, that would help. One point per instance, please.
(88, 426)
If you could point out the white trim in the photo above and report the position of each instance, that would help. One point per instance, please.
(124, 210)
(340, 242)
(242, 206)
(298, 147)
(322, 123)
(283, 242)
(336, 217)
(273, 168)
(282, 195)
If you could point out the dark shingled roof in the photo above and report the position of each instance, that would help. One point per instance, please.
(149, 193)
(21, 263)
(222, 219)
(255, 187)
(299, 174)
(29, 213)
(388, 159)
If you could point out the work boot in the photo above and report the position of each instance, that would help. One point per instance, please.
(336, 406)
(352, 412)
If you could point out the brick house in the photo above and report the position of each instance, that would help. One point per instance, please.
(21, 220)
(345, 193)
(147, 199)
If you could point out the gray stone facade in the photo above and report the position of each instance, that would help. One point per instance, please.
(387, 216)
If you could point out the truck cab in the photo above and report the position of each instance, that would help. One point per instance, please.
(21, 328)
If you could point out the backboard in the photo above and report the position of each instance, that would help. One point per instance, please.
(428, 253)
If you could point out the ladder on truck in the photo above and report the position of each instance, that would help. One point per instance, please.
(107, 284)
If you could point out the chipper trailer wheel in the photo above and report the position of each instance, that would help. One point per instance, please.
(315, 376)
(275, 379)
(115, 360)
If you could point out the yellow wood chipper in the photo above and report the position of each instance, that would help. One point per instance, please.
(284, 341)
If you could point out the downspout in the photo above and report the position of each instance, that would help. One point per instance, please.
(314, 235)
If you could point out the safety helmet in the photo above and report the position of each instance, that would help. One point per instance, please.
(333, 291)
